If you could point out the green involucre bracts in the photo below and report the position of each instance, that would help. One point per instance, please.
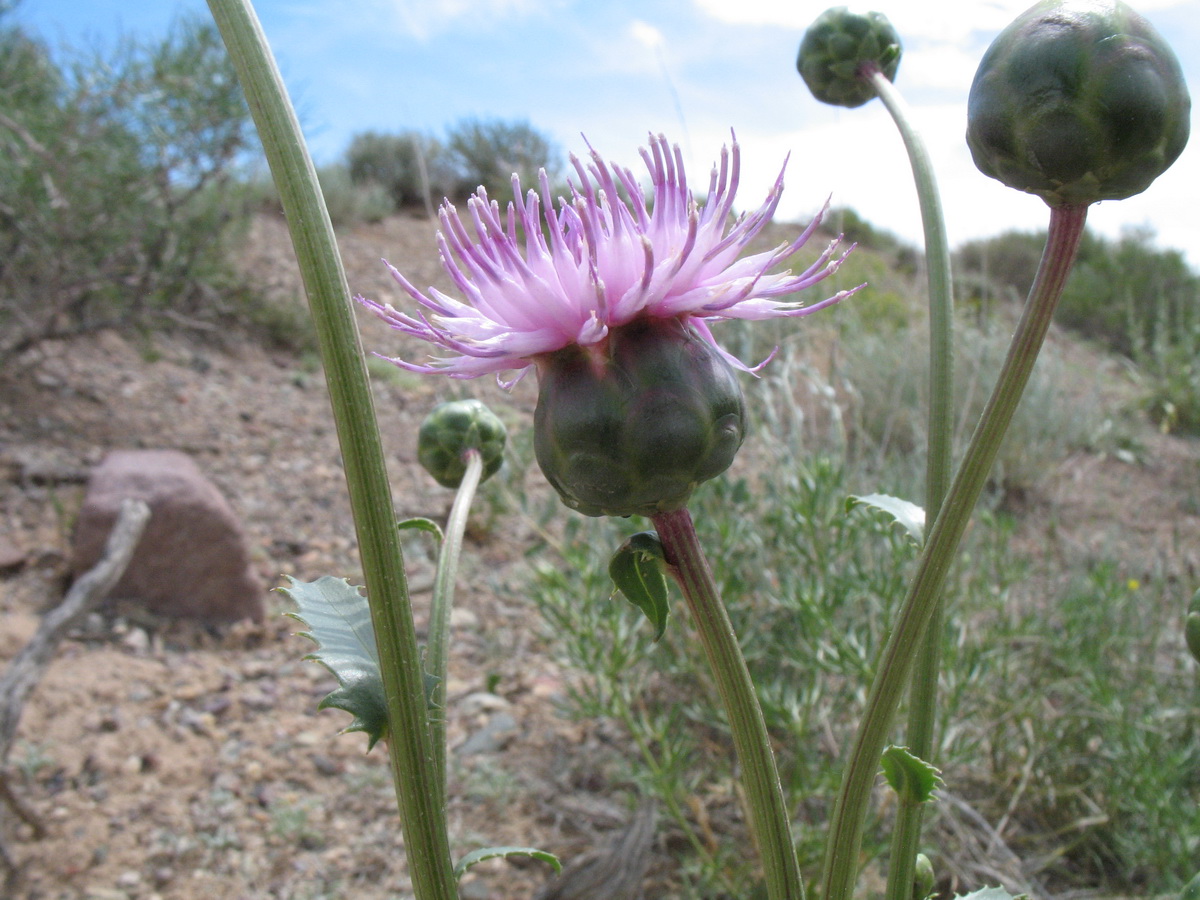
(632, 426)
(837, 49)
(1077, 102)
(452, 429)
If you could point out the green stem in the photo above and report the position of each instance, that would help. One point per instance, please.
(409, 745)
(922, 715)
(769, 818)
(850, 811)
(443, 602)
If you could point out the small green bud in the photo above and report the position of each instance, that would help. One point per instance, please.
(631, 426)
(452, 429)
(1191, 626)
(1078, 101)
(837, 47)
(923, 878)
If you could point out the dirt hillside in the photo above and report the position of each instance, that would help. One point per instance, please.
(171, 762)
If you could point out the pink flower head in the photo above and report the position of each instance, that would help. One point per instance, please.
(603, 259)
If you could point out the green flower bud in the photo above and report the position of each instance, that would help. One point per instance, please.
(631, 426)
(450, 431)
(923, 878)
(835, 50)
(1191, 626)
(1076, 102)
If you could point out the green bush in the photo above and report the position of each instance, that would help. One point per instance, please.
(114, 184)
(488, 152)
(1127, 295)
(412, 169)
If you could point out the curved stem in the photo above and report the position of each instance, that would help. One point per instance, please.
(409, 747)
(443, 602)
(922, 716)
(769, 818)
(846, 826)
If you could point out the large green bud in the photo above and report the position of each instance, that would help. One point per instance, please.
(1077, 102)
(838, 50)
(631, 426)
(452, 429)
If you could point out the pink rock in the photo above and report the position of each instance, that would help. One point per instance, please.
(193, 560)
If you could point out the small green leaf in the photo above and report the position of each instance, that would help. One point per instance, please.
(339, 623)
(478, 856)
(420, 523)
(637, 571)
(912, 778)
(1191, 890)
(991, 893)
(908, 515)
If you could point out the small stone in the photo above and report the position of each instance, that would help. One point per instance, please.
(129, 879)
(12, 557)
(492, 737)
(327, 766)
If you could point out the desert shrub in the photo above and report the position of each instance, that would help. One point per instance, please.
(350, 201)
(413, 169)
(487, 152)
(114, 178)
(1129, 296)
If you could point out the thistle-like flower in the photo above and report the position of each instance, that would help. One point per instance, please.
(611, 296)
(605, 258)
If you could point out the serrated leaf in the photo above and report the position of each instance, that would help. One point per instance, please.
(478, 856)
(911, 777)
(637, 571)
(420, 523)
(991, 893)
(339, 622)
(905, 514)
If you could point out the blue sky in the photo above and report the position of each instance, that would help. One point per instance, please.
(692, 69)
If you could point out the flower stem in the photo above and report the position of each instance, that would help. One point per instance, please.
(443, 602)
(769, 818)
(846, 826)
(409, 745)
(922, 714)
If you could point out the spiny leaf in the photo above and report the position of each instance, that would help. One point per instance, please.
(339, 622)
(637, 571)
(478, 856)
(911, 777)
(908, 515)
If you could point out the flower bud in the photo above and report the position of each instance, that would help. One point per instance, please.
(835, 50)
(632, 425)
(452, 429)
(1078, 101)
(924, 881)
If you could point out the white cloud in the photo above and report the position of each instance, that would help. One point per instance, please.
(646, 34)
(424, 18)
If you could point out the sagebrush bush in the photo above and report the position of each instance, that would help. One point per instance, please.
(1129, 296)
(414, 170)
(114, 183)
(488, 152)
